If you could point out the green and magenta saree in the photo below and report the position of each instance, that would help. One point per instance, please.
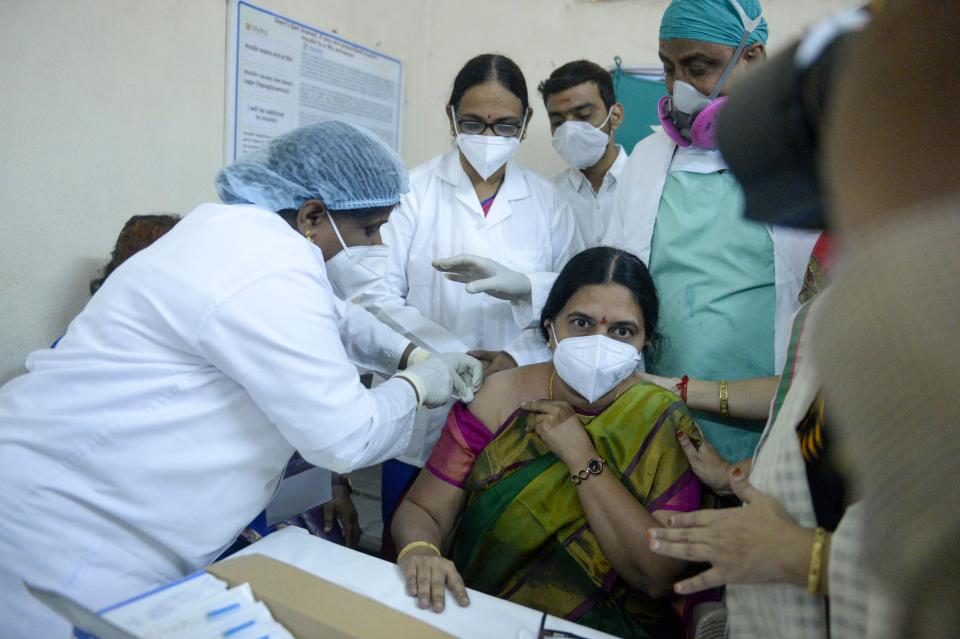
(523, 535)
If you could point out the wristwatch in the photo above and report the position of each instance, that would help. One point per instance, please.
(594, 467)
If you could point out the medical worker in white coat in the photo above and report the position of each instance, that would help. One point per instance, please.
(728, 286)
(504, 226)
(137, 450)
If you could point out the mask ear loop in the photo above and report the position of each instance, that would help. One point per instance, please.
(523, 127)
(604, 123)
(554, 333)
(453, 115)
(337, 231)
(749, 26)
(606, 119)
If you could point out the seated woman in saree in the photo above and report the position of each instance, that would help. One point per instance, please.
(555, 471)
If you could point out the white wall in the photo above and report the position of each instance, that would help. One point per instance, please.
(116, 107)
(109, 109)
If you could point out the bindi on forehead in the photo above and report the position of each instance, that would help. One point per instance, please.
(488, 116)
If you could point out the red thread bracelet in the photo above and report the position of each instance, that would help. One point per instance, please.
(682, 388)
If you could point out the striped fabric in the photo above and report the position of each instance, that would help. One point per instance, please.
(891, 373)
(786, 611)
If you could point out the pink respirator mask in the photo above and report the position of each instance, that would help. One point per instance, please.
(690, 117)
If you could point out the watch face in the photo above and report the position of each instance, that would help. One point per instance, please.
(594, 466)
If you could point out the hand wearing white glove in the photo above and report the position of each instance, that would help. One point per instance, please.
(438, 377)
(417, 356)
(465, 365)
(482, 275)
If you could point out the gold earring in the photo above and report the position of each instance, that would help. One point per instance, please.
(309, 236)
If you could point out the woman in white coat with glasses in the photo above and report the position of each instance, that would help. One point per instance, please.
(482, 219)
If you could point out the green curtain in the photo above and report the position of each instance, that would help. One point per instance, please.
(639, 97)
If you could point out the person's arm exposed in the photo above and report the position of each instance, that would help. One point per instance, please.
(746, 398)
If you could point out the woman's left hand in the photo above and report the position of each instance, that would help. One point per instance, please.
(757, 543)
(558, 426)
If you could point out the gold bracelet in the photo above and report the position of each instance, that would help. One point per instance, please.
(724, 404)
(815, 573)
(413, 545)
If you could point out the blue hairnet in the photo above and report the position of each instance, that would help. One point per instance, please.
(342, 165)
(711, 21)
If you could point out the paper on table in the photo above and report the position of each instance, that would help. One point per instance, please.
(143, 610)
(268, 631)
(205, 613)
(485, 617)
(255, 616)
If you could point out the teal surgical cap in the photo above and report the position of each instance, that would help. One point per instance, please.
(344, 166)
(711, 21)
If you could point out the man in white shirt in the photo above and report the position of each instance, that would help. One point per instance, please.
(584, 116)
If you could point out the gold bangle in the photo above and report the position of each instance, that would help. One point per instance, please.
(724, 403)
(815, 573)
(413, 545)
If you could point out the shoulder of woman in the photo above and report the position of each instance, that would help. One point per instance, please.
(426, 182)
(673, 414)
(667, 400)
(501, 395)
(423, 172)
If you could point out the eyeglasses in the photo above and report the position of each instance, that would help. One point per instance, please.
(546, 632)
(475, 127)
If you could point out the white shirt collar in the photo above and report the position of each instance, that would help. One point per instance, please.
(578, 180)
(514, 183)
(693, 159)
(616, 169)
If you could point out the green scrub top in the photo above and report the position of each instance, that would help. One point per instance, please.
(714, 271)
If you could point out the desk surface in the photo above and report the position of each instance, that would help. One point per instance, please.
(485, 617)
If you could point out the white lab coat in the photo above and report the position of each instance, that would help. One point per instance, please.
(591, 209)
(527, 229)
(159, 427)
(638, 201)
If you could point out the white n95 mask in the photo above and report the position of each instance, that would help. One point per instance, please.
(354, 269)
(581, 144)
(593, 365)
(487, 153)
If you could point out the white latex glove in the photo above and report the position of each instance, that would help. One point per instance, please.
(482, 275)
(468, 368)
(442, 377)
(417, 355)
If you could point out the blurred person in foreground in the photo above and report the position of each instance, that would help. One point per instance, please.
(890, 360)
